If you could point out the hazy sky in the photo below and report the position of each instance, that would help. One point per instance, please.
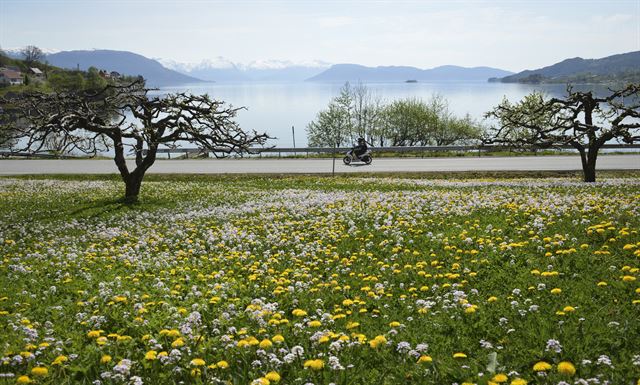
(508, 34)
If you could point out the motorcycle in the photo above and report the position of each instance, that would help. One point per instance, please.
(351, 157)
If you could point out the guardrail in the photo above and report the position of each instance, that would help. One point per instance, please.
(392, 149)
(8, 154)
(422, 150)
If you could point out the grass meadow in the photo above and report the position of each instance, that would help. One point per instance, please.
(317, 280)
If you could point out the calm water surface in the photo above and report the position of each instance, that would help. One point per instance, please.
(275, 107)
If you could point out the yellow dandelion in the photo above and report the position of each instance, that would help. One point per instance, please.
(316, 364)
(500, 378)
(94, 333)
(198, 362)
(299, 313)
(60, 360)
(314, 324)
(177, 343)
(222, 364)
(424, 358)
(39, 371)
(541, 366)
(377, 341)
(272, 376)
(353, 325)
(566, 368)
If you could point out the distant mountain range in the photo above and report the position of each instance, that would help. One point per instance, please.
(127, 63)
(622, 68)
(221, 69)
(355, 72)
(165, 72)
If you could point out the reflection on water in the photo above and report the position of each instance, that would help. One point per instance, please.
(276, 107)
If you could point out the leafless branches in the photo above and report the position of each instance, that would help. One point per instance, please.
(118, 116)
(581, 120)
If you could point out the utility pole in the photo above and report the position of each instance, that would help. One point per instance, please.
(333, 168)
(293, 134)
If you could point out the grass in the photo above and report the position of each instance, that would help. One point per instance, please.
(410, 278)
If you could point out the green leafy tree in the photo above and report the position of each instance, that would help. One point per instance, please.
(438, 130)
(333, 126)
(407, 122)
(93, 79)
(455, 130)
(330, 128)
(66, 81)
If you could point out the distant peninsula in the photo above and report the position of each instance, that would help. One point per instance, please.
(355, 72)
(124, 62)
(621, 68)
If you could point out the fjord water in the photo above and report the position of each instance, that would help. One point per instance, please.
(275, 107)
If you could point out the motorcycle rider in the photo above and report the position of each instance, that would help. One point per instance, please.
(360, 148)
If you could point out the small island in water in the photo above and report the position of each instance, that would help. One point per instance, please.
(411, 81)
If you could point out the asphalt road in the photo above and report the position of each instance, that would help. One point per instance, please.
(303, 166)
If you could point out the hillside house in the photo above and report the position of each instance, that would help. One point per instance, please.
(11, 77)
(36, 72)
(104, 74)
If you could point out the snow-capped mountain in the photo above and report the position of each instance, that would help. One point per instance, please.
(216, 69)
(16, 52)
(217, 62)
(222, 69)
(281, 64)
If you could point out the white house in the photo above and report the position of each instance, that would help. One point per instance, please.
(10, 76)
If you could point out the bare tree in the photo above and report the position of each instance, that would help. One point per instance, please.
(366, 113)
(32, 54)
(581, 120)
(90, 122)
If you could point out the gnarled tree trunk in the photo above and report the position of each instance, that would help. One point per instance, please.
(588, 158)
(132, 186)
(133, 179)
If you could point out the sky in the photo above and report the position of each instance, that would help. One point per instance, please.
(507, 34)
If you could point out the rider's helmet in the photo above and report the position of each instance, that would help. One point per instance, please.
(360, 140)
